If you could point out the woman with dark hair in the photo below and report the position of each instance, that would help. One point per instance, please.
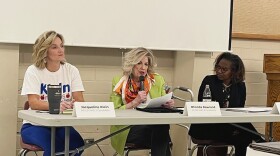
(228, 88)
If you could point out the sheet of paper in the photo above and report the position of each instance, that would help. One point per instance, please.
(67, 111)
(156, 102)
(250, 109)
(270, 147)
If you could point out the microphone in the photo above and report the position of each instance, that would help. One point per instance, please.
(141, 79)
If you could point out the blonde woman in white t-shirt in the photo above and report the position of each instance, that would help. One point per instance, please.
(50, 67)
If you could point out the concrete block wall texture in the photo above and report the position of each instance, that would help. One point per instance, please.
(97, 66)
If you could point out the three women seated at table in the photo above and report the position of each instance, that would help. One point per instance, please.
(127, 95)
(227, 87)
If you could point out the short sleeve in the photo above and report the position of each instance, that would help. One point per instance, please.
(31, 83)
(77, 84)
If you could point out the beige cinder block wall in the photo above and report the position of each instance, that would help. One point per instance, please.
(8, 97)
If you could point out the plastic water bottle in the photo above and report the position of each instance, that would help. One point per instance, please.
(207, 94)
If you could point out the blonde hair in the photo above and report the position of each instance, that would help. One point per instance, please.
(41, 46)
(134, 56)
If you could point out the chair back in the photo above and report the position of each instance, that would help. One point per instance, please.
(184, 89)
(27, 147)
(26, 105)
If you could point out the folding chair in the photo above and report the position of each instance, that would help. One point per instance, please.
(129, 147)
(27, 147)
(132, 147)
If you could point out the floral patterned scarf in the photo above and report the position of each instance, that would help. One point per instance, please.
(131, 89)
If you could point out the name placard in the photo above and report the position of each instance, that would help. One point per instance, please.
(94, 109)
(275, 108)
(202, 109)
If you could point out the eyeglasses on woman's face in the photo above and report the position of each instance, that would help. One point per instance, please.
(222, 69)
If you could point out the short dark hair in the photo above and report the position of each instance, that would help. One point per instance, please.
(237, 66)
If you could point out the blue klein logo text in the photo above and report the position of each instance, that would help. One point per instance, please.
(43, 90)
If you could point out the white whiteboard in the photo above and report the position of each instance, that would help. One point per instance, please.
(192, 25)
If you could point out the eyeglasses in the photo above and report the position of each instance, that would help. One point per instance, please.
(223, 69)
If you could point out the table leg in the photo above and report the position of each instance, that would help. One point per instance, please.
(270, 131)
(52, 141)
(66, 147)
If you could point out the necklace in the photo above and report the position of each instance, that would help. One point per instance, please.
(226, 86)
(226, 91)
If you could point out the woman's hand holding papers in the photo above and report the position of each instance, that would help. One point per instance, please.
(169, 104)
(66, 105)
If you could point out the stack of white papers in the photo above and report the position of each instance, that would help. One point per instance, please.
(250, 109)
(67, 111)
(270, 147)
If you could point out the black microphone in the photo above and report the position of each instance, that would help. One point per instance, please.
(141, 79)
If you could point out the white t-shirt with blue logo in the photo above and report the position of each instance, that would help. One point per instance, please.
(36, 81)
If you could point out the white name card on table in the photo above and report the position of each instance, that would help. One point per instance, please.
(202, 109)
(275, 108)
(94, 109)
